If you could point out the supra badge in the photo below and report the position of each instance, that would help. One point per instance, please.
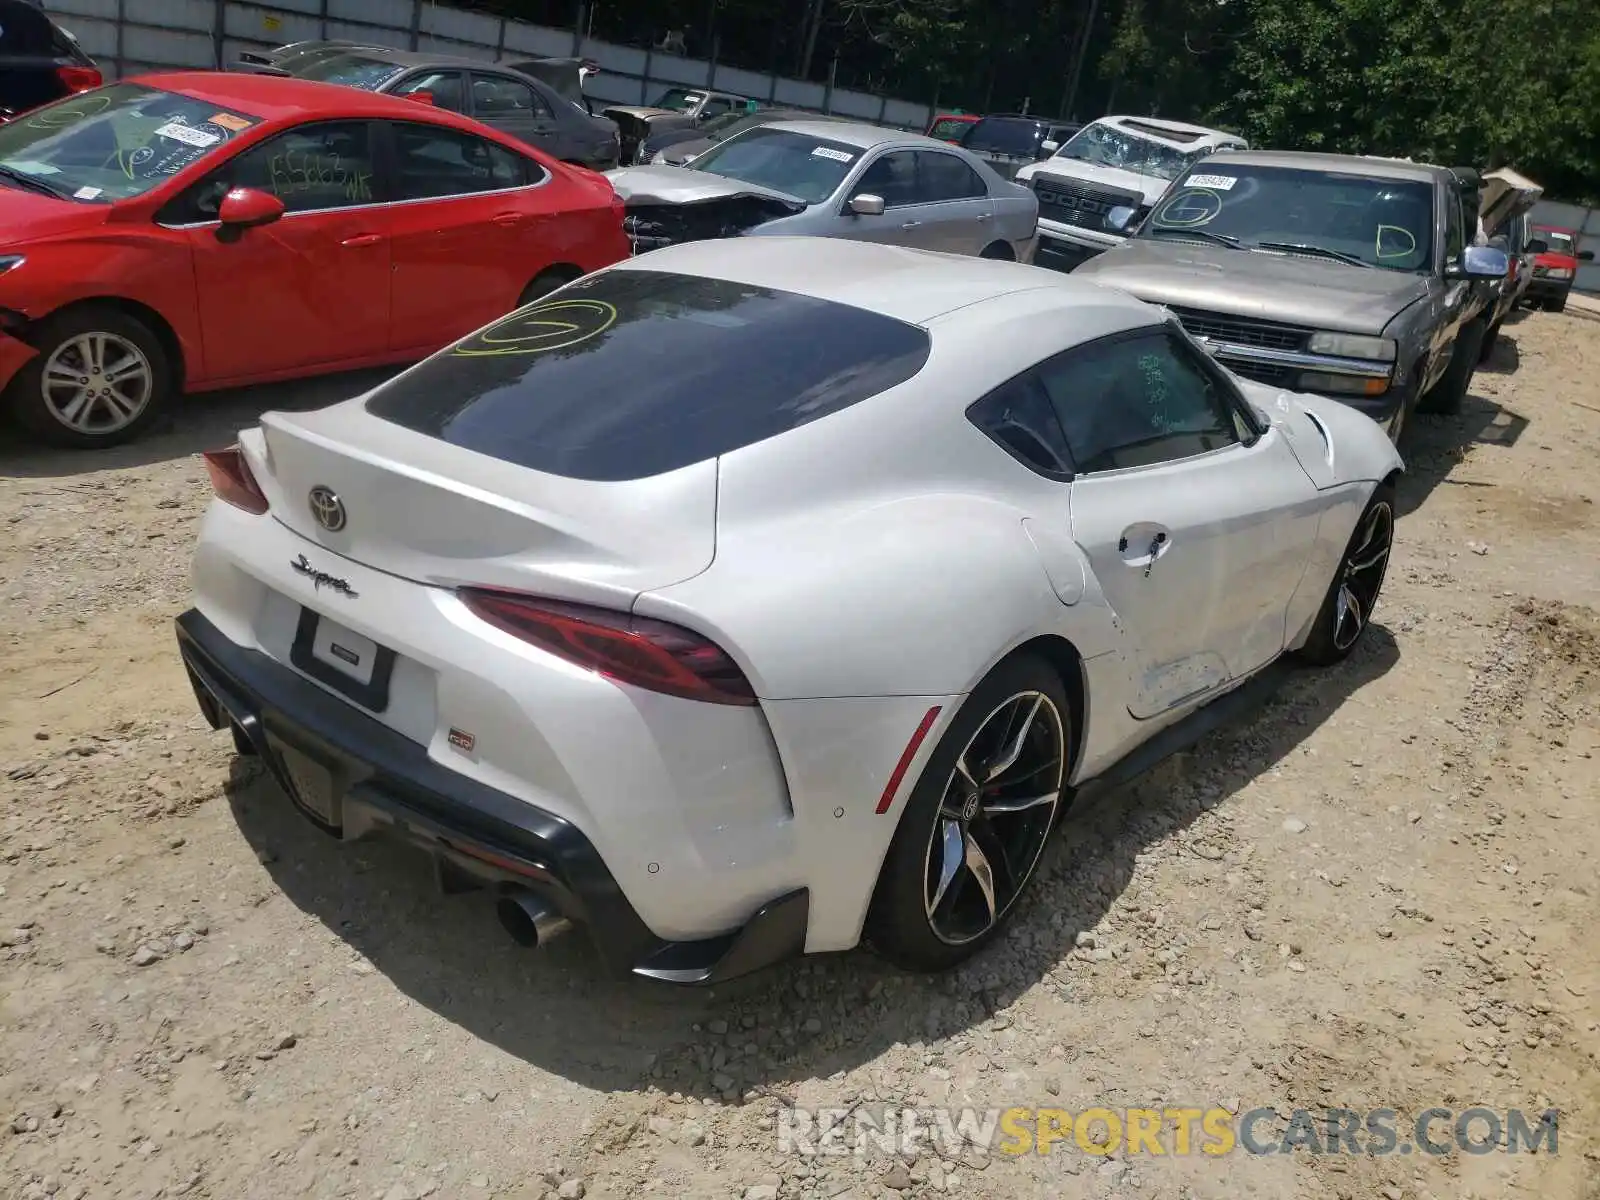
(321, 579)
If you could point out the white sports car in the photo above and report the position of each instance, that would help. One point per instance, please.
(752, 597)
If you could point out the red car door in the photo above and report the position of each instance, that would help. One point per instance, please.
(312, 288)
(468, 235)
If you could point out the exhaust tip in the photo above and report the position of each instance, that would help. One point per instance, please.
(530, 920)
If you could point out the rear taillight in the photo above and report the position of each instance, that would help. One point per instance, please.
(232, 481)
(640, 651)
(79, 79)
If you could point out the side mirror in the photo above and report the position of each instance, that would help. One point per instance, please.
(420, 97)
(867, 205)
(1120, 218)
(1538, 246)
(246, 208)
(1049, 147)
(1585, 255)
(1482, 262)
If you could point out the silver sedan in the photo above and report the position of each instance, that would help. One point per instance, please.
(832, 179)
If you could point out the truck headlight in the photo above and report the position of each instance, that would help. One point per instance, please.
(1352, 345)
(1553, 273)
(1342, 385)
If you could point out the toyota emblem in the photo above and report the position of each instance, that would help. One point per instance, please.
(327, 508)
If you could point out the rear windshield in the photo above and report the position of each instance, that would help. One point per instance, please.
(352, 70)
(1005, 135)
(629, 374)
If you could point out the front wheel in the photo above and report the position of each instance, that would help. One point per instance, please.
(1446, 395)
(99, 378)
(1486, 350)
(977, 821)
(1347, 609)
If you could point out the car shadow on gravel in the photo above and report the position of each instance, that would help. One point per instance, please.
(554, 1009)
(1433, 445)
(202, 422)
(1505, 358)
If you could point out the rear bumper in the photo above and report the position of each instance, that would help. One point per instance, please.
(386, 783)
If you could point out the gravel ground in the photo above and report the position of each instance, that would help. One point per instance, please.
(1378, 891)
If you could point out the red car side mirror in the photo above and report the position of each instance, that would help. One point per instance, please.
(245, 208)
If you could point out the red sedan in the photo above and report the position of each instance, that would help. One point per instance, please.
(204, 230)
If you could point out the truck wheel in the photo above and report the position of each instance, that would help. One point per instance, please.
(1446, 395)
(1489, 340)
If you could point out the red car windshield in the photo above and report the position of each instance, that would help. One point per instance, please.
(1559, 241)
(112, 143)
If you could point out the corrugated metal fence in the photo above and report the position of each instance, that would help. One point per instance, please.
(130, 36)
(1587, 222)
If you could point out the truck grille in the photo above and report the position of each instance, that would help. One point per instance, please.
(1261, 372)
(1082, 204)
(1243, 331)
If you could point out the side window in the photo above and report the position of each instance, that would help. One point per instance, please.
(946, 177)
(1137, 401)
(1454, 228)
(715, 107)
(443, 86)
(432, 161)
(1018, 416)
(892, 176)
(495, 97)
(328, 165)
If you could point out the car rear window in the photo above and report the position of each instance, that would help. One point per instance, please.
(351, 70)
(632, 373)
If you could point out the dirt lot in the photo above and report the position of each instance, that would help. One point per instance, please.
(1378, 892)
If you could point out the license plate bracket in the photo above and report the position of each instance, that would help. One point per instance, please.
(346, 661)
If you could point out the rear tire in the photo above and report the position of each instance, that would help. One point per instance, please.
(1446, 395)
(99, 379)
(933, 908)
(999, 250)
(1346, 611)
(547, 281)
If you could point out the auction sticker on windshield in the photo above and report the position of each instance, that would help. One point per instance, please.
(183, 133)
(835, 155)
(1223, 183)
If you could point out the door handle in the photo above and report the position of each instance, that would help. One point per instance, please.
(508, 218)
(909, 224)
(363, 239)
(982, 217)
